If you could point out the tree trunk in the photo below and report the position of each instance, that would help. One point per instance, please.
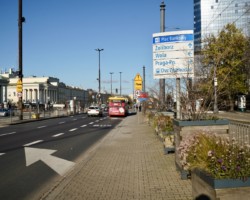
(231, 103)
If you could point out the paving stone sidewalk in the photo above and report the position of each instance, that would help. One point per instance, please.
(128, 164)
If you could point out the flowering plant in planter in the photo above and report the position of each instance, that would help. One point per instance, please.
(219, 157)
(163, 123)
(150, 116)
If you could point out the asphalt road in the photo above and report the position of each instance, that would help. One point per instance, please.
(35, 155)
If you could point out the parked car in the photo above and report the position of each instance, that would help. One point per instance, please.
(6, 112)
(94, 111)
(104, 107)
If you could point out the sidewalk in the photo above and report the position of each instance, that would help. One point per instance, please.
(129, 163)
(243, 117)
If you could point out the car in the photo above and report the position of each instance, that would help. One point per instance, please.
(94, 111)
(6, 112)
(104, 107)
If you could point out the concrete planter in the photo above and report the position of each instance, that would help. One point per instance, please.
(198, 123)
(184, 129)
(207, 187)
(168, 144)
(167, 138)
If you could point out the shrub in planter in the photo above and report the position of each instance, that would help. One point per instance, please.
(163, 123)
(164, 128)
(150, 117)
(218, 165)
(220, 157)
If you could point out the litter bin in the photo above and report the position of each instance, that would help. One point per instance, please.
(35, 116)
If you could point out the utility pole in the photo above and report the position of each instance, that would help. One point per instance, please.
(111, 73)
(120, 83)
(21, 19)
(162, 81)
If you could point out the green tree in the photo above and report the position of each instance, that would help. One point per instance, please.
(225, 58)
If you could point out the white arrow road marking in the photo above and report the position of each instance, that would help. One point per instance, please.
(57, 135)
(73, 129)
(35, 142)
(59, 165)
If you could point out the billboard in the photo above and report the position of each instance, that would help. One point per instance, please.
(173, 54)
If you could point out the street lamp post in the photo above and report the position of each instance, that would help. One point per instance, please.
(120, 83)
(99, 71)
(111, 82)
(21, 19)
(215, 91)
(162, 28)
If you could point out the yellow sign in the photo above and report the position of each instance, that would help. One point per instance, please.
(19, 82)
(19, 86)
(138, 82)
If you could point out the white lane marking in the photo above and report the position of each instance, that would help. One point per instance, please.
(7, 134)
(35, 142)
(91, 123)
(84, 125)
(2, 154)
(61, 122)
(57, 135)
(74, 119)
(96, 125)
(41, 126)
(84, 117)
(106, 125)
(73, 129)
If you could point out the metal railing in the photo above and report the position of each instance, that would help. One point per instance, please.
(34, 115)
(240, 131)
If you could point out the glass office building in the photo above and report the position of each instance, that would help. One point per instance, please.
(210, 16)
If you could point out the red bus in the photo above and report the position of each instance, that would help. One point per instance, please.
(118, 106)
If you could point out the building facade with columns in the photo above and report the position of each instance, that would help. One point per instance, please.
(42, 90)
(3, 89)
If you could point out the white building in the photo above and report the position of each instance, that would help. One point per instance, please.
(42, 90)
(35, 90)
(3, 89)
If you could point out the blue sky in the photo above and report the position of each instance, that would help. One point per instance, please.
(60, 38)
